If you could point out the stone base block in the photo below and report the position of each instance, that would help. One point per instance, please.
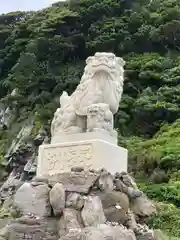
(93, 154)
(84, 137)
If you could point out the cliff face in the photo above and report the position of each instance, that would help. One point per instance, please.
(43, 53)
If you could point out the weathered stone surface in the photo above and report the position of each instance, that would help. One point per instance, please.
(101, 232)
(142, 206)
(116, 215)
(38, 140)
(3, 222)
(128, 180)
(105, 182)
(69, 222)
(158, 235)
(130, 191)
(114, 198)
(27, 228)
(75, 200)
(92, 213)
(40, 180)
(131, 223)
(106, 232)
(143, 232)
(10, 186)
(77, 169)
(120, 186)
(33, 199)
(57, 198)
(79, 182)
(84, 137)
(71, 236)
(62, 227)
(133, 193)
(115, 205)
(146, 236)
(4, 233)
(91, 154)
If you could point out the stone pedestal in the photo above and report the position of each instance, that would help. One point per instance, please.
(84, 137)
(95, 154)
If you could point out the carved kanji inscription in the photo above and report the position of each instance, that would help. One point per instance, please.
(61, 158)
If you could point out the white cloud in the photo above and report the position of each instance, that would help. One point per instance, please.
(24, 5)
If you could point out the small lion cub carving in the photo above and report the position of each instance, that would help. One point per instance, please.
(99, 118)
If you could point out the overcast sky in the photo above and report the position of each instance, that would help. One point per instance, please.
(24, 5)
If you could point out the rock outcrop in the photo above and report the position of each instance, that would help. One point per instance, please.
(33, 198)
(80, 206)
(92, 213)
(57, 198)
(20, 160)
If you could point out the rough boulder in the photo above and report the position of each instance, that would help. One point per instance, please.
(80, 205)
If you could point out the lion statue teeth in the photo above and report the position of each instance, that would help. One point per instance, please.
(100, 88)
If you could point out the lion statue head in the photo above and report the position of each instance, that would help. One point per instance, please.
(102, 82)
(106, 63)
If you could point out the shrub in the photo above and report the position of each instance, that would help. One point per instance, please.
(168, 219)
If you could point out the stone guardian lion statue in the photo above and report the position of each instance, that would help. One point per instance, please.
(100, 88)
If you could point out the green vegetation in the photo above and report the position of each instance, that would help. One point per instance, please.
(42, 53)
(168, 219)
(160, 152)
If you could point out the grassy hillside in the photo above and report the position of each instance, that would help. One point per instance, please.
(42, 53)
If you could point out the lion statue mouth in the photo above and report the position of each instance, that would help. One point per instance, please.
(104, 62)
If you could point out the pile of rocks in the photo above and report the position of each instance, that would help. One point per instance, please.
(80, 205)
